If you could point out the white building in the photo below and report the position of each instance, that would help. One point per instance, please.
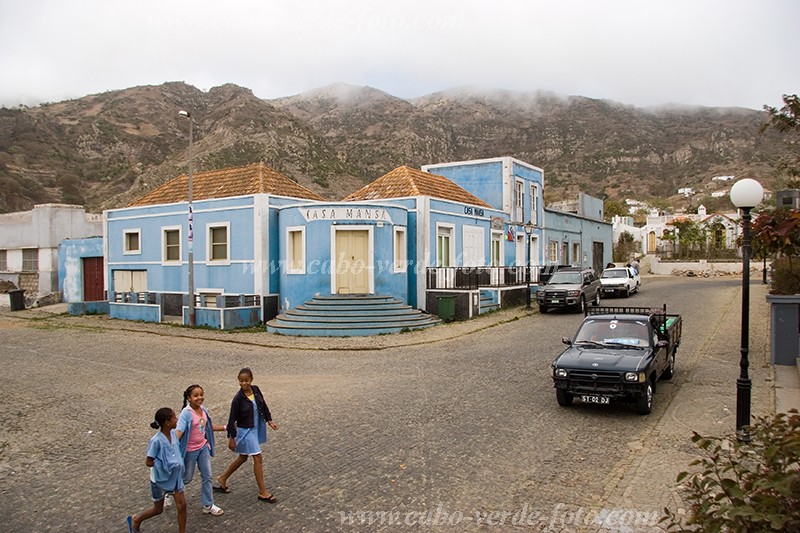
(651, 235)
(29, 243)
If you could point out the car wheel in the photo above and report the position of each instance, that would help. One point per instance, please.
(564, 398)
(628, 291)
(644, 403)
(670, 371)
(582, 305)
(543, 309)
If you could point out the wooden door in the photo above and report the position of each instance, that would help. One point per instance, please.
(352, 267)
(474, 254)
(93, 279)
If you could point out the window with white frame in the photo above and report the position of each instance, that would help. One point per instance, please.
(3, 260)
(534, 204)
(30, 260)
(444, 246)
(171, 250)
(497, 247)
(132, 241)
(519, 200)
(552, 252)
(576, 252)
(129, 280)
(218, 243)
(400, 249)
(296, 250)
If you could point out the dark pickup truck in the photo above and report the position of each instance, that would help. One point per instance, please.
(619, 353)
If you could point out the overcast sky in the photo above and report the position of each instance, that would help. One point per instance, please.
(642, 52)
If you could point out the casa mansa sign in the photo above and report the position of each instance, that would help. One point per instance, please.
(372, 214)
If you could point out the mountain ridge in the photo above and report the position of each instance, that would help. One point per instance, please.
(105, 150)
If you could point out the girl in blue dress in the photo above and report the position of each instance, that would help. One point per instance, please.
(166, 471)
(247, 431)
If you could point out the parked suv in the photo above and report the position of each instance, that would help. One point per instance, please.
(570, 287)
(620, 281)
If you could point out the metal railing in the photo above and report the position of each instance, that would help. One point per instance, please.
(201, 300)
(485, 276)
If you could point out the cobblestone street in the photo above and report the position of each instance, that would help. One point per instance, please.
(436, 430)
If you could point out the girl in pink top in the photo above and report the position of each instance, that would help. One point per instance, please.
(196, 435)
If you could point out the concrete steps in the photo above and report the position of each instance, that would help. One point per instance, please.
(488, 302)
(350, 316)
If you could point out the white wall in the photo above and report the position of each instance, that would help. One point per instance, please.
(43, 228)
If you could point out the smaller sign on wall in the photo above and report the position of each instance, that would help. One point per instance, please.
(497, 223)
(510, 234)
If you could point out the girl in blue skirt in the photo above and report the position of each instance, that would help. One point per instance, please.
(247, 431)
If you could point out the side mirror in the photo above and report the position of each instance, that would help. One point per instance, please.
(566, 340)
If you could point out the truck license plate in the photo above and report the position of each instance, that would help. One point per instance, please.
(590, 398)
(555, 301)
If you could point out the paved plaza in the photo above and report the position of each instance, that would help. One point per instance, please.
(455, 428)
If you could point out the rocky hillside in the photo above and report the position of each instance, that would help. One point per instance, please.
(106, 149)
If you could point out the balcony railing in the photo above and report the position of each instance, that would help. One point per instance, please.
(201, 300)
(485, 276)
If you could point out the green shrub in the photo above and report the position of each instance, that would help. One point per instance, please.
(786, 275)
(745, 486)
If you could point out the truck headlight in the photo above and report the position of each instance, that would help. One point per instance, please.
(573, 293)
(560, 373)
(631, 376)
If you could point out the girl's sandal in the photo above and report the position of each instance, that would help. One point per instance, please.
(225, 489)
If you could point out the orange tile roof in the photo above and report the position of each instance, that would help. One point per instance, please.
(235, 181)
(406, 181)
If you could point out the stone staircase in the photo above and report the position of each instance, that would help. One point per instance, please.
(348, 315)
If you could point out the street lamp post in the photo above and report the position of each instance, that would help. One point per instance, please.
(528, 231)
(190, 247)
(745, 194)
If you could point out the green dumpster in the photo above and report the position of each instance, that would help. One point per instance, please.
(446, 306)
(17, 299)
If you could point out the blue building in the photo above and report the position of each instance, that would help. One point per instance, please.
(81, 275)
(267, 249)
(515, 189)
(576, 234)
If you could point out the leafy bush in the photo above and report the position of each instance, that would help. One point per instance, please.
(745, 486)
(786, 275)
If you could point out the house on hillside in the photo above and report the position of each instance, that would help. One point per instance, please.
(29, 243)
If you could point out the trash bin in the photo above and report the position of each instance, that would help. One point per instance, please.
(17, 298)
(446, 307)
